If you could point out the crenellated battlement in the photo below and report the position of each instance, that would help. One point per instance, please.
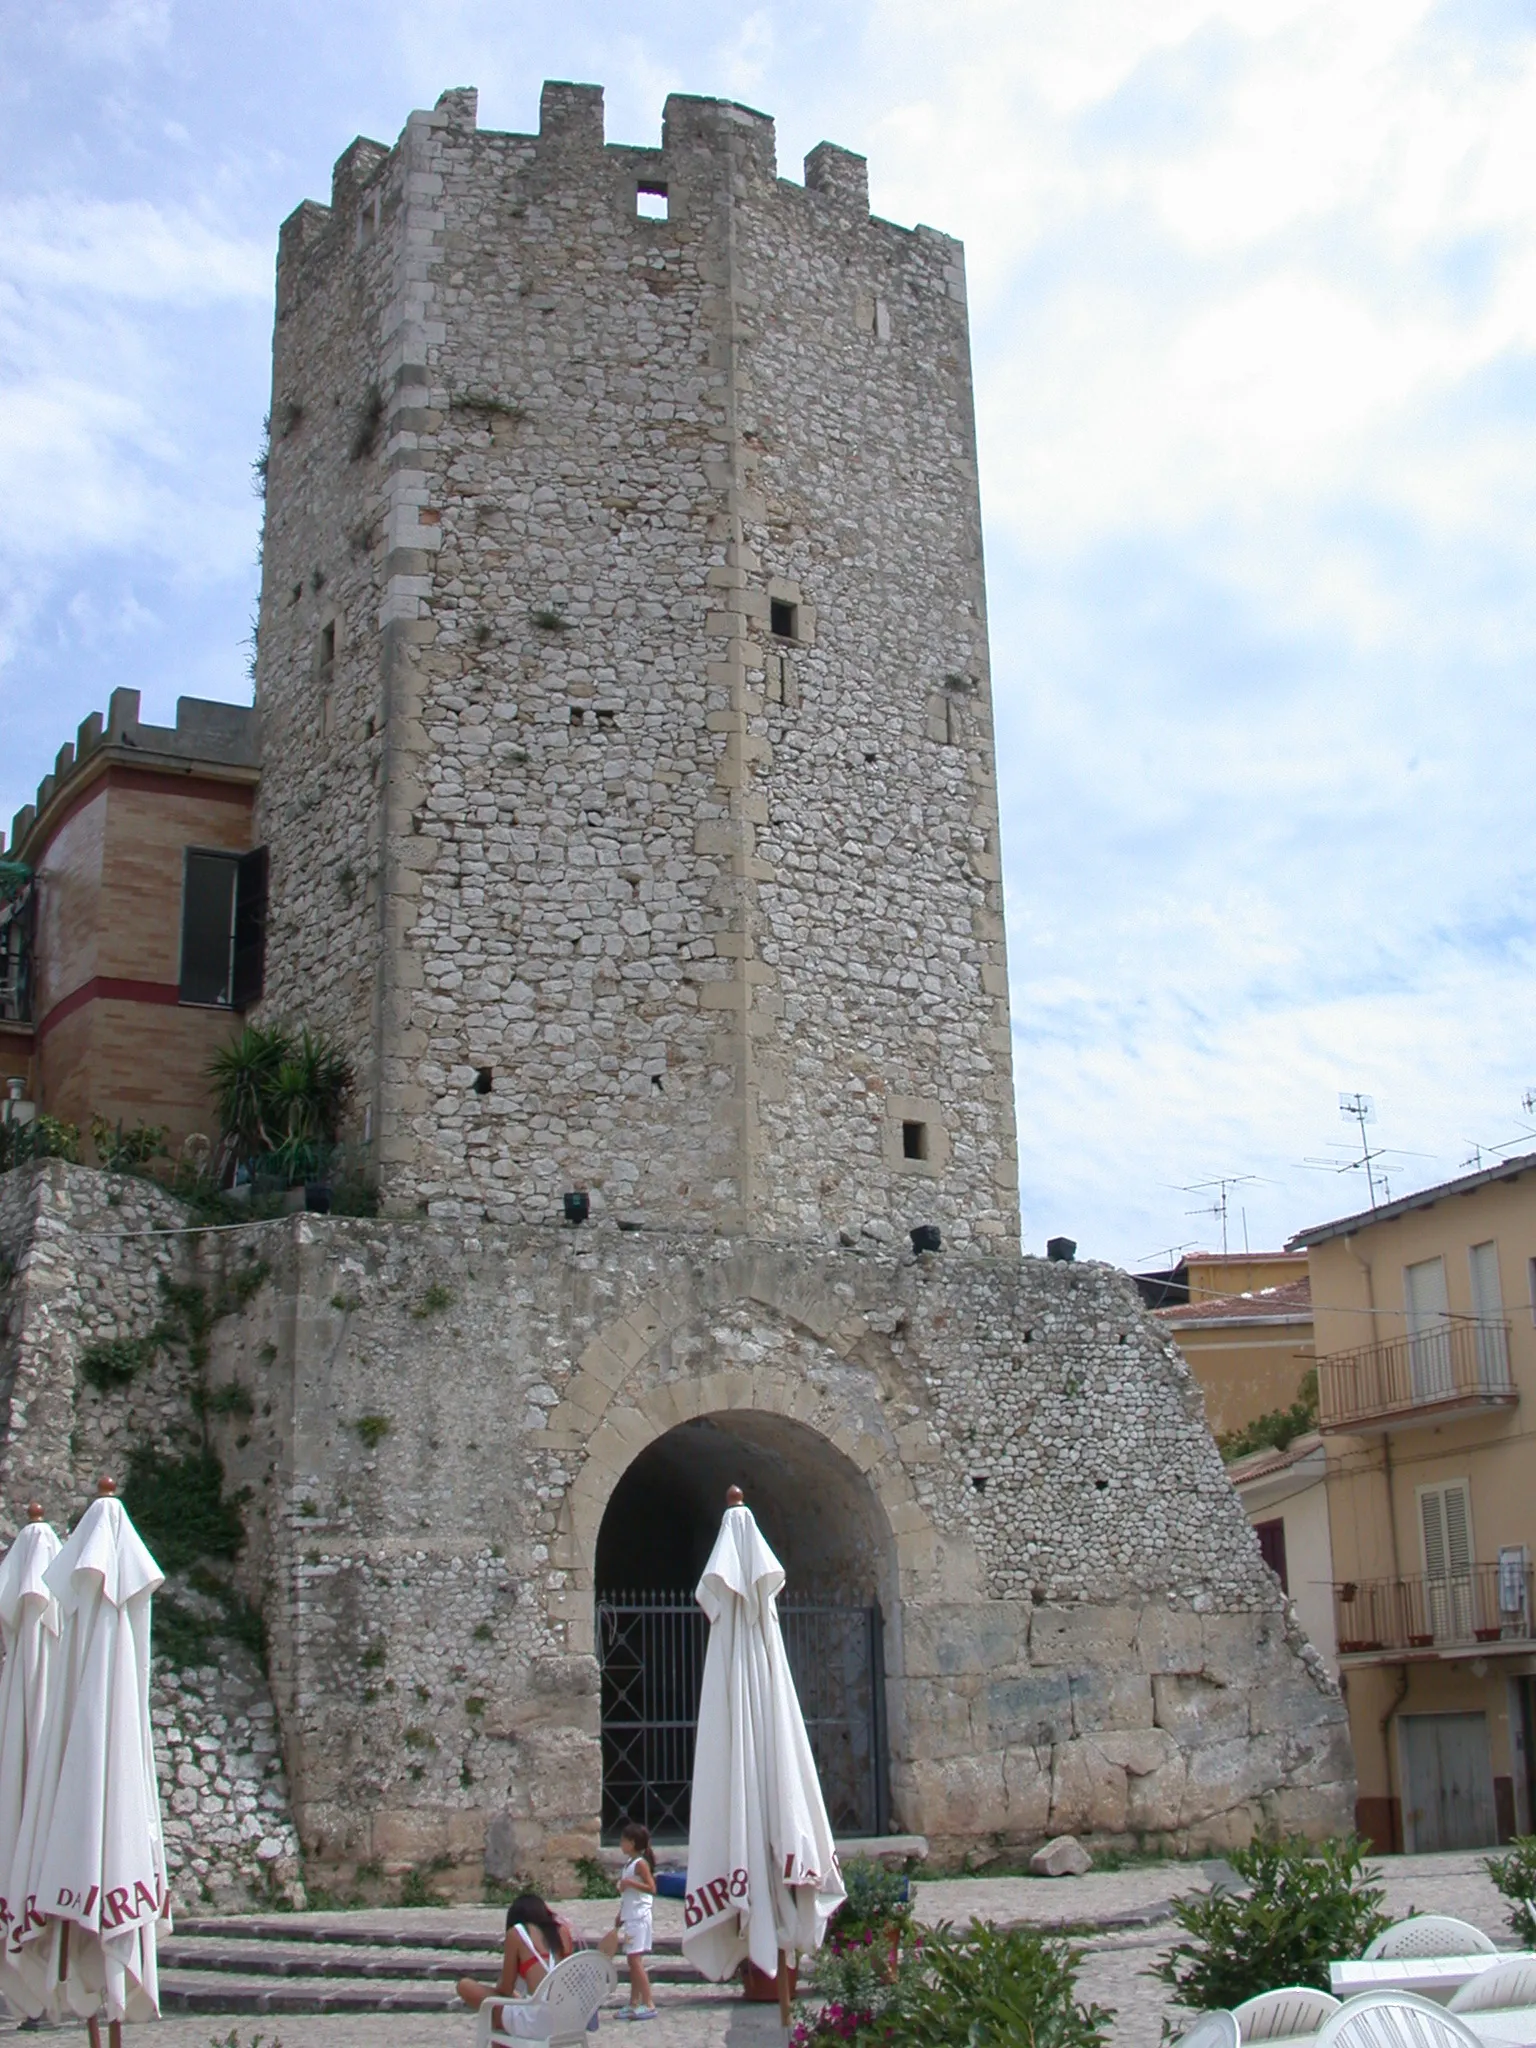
(206, 733)
(570, 148)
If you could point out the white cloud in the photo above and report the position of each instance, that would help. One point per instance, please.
(127, 250)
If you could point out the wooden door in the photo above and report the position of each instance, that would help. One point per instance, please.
(1447, 1782)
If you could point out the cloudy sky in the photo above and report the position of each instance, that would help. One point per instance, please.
(1254, 320)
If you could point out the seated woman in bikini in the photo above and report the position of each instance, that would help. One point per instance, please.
(535, 1942)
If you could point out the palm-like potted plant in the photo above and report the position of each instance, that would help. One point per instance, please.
(279, 1097)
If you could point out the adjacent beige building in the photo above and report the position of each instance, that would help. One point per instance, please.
(1426, 1350)
(1246, 1333)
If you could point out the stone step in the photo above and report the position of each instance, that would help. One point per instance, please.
(299, 1958)
(357, 1932)
(212, 1992)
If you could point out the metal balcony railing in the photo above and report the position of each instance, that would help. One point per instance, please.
(1459, 1364)
(1466, 1610)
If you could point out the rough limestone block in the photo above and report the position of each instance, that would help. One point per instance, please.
(1062, 1856)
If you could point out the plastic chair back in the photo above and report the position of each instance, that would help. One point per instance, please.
(1395, 2019)
(1211, 2030)
(557, 2012)
(1280, 2015)
(1501, 1989)
(1429, 1934)
(574, 1990)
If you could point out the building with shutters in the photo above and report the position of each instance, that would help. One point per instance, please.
(1426, 1360)
(132, 905)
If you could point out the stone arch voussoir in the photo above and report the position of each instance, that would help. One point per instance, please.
(611, 1415)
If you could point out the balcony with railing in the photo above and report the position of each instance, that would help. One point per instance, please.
(1457, 1367)
(1484, 1609)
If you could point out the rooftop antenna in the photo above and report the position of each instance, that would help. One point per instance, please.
(1361, 1110)
(1218, 1208)
(1171, 1252)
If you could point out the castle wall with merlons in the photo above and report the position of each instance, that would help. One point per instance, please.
(432, 1419)
(604, 882)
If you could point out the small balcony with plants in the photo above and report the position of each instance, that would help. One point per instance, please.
(1476, 1611)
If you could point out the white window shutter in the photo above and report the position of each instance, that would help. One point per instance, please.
(1458, 1526)
(1432, 1520)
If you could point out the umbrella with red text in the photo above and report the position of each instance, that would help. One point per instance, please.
(762, 1867)
(96, 1888)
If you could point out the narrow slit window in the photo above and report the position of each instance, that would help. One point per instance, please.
(327, 647)
(914, 1141)
(782, 619)
(651, 202)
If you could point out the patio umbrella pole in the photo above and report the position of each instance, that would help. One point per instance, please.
(783, 1991)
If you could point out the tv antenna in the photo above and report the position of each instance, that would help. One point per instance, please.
(1360, 1110)
(1171, 1252)
(1221, 1184)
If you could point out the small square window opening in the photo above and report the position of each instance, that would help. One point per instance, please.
(782, 618)
(651, 202)
(482, 1082)
(914, 1141)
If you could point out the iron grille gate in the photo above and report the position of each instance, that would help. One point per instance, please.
(651, 1649)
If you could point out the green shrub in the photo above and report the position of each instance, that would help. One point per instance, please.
(1514, 1878)
(1305, 1905)
(1279, 1428)
(114, 1360)
(233, 1398)
(876, 1903)
(994, 1988)
(416, 1887)
(45, 1137)
(279, 1098)
(984, 1988)
(126, 1151)
(372, 1429)
(594, 1881)
(433, 1299)
(180, 1507)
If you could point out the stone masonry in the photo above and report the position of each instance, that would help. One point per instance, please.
(1081, 1634)
(623, 681)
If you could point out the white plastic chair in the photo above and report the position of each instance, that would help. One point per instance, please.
(1500, 1989)
(1395, 2019)
(1212, 2030)
(1281, 2015)
(560, 2009)
(1429, 1934)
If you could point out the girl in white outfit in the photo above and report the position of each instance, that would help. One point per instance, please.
(637, 1888)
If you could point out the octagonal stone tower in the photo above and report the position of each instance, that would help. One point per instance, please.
(628, 766)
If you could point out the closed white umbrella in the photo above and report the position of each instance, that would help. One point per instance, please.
(762, 1867)
(29, 1620)
(98, 1867)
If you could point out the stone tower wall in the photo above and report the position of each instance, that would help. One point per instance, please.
(710, 912)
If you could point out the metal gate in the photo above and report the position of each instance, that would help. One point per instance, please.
(651, 1647)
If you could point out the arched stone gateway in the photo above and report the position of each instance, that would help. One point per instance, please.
(1002, 1456)
(826, 1524)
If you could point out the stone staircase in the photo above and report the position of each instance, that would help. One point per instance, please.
(300, 1963)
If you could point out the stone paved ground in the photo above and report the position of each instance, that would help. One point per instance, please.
(1114, 1969)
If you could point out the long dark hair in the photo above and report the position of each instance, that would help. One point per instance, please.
(531, 1910)
(635, 1831)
